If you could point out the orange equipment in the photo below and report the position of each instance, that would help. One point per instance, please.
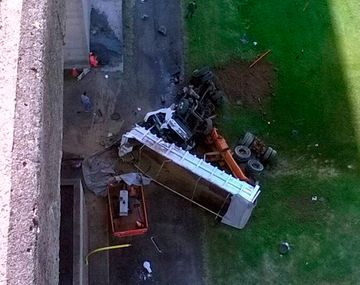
(223, 148)
(93, 60)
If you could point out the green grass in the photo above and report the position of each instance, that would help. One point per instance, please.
(317, 93)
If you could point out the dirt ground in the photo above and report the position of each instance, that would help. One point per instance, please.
(150, 62)
(247, 86)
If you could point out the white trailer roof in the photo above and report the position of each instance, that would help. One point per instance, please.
(192, 163)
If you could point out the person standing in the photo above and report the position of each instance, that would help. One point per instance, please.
(86, 102)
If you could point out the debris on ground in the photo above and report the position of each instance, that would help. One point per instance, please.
(244, 39)
(162, 30)
(148, 273)
(155, 244)
(99, 170)
(284, 247)
(147, 266)
(115, 116)
(84, 72)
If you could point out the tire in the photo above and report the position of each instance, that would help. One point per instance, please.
(242, 153)
(248, 139)
(183, 107)
(269, 155)
(218, 98)
(254, 167)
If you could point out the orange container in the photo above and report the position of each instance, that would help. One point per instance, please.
(135, 222)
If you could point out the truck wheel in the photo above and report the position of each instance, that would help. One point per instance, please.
(269, 155)
(242, 153)
(183, 107)
(248, 139)
(254, 167)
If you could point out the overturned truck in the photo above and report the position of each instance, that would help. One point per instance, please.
(192, 177)
(168, 137)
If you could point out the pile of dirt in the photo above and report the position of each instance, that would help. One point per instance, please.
(247, 86)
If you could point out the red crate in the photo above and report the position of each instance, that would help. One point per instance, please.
(136, 222)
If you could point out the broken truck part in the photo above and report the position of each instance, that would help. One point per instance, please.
(240, 192)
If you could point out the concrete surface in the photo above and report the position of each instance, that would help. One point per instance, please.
(77, 34)
(98, 237)
(31, 135)
(10, 17)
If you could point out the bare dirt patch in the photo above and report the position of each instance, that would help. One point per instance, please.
(247, 86)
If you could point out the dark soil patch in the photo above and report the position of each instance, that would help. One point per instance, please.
(247, 86)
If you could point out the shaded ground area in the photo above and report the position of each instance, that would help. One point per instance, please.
(151, 60)
(66, 236)
(106, 33)
(247, 86)
(175, 225)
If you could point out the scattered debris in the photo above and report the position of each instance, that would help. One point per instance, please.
(162, 98)
(115, 116)
(156, 245)
(83, 73)
(147, 266)
(162, 30)
(244, 39)
(105, 249)
(294, 133)
(260, 58)
(284, 247)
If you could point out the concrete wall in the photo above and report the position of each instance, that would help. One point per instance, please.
(30, 139)
(77, 35)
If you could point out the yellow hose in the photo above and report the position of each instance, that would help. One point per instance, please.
(105, 248)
